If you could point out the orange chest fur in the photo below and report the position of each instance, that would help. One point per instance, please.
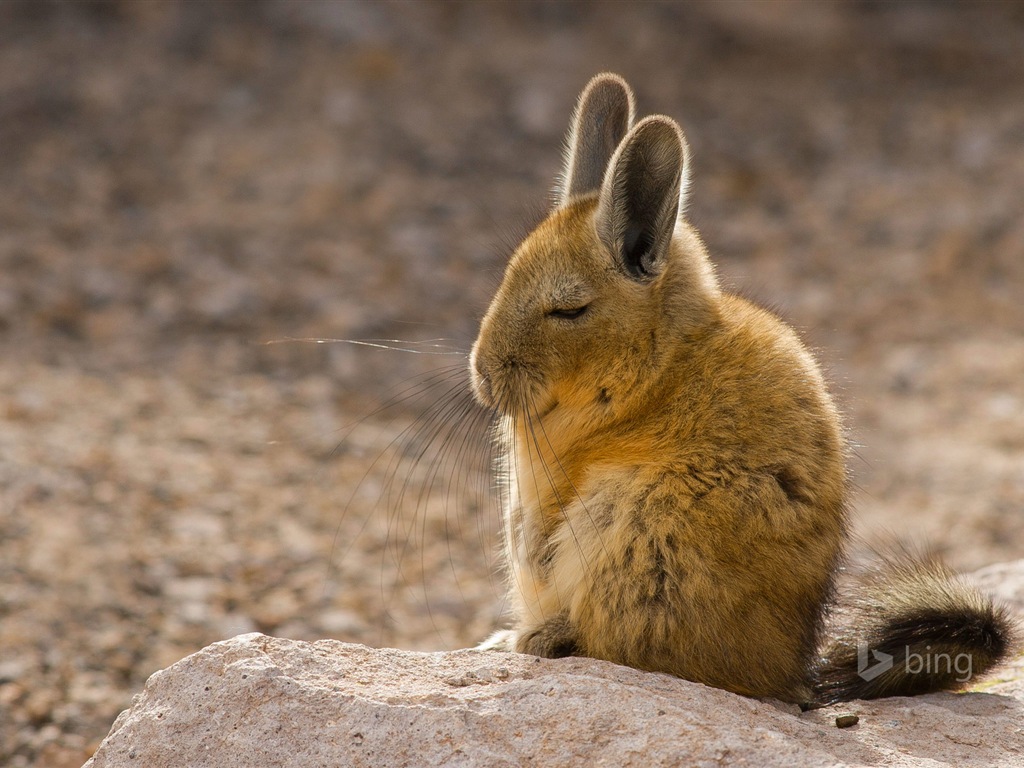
(550, 475)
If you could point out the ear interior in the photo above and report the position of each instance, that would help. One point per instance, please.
(640, 196)
(604, 113)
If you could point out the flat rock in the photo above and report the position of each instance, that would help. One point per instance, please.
(261, 701)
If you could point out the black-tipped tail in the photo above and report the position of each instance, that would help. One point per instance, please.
(914, 627)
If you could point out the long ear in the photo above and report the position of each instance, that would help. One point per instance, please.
(642, 194)
(603, 115)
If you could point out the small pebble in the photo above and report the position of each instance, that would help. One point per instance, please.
(845, 721)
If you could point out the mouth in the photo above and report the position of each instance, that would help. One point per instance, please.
(515, 404)
(512, 390)
(547, 410)
(480, 384)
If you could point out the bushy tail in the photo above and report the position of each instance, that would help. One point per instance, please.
(912, 626)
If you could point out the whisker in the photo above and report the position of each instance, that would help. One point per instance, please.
(472, 414)
(433, 460)
(399, 538)
(516, 526)
(451, 417)
(429, 426)
(552, 484)
(466, 416)
(489, 489)
(429, 347)
(503, 438)
(488, 493)
(532, 443)
(442, 428)
(418, 389)
(421, 386)
(575, 491)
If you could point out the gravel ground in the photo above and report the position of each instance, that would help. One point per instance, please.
(181, 183)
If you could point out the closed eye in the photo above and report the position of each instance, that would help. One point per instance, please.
(568, 313)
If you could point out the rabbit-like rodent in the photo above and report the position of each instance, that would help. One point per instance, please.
(673, 467)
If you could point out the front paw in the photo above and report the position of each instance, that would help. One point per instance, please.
(502, 640)
(553, 639)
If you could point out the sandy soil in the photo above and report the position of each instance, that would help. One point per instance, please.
(182, 182)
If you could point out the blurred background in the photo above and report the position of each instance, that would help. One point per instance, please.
(182, 182)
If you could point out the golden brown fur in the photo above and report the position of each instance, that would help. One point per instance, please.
(672, 462)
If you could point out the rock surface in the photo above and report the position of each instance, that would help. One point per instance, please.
(258, 700)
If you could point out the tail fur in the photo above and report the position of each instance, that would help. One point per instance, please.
(911, 627)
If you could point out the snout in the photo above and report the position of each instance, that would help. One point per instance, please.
(500, 379)
(480, 380)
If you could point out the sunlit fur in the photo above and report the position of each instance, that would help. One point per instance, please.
(672, 464)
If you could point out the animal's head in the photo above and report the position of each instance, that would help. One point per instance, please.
(593, 296)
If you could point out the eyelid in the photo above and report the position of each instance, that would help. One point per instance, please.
(569, 313)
